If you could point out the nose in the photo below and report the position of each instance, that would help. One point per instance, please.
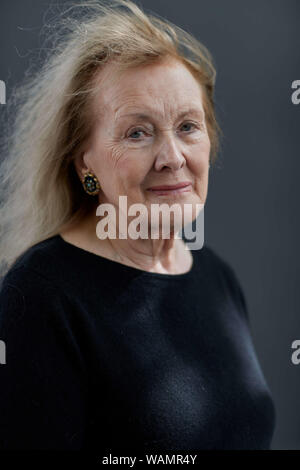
(169, 154)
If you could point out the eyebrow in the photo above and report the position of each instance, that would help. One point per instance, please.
(195, 111)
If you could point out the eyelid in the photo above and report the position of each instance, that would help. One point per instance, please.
(134, 129)
(196, 124)
(139, 128)
(196, 121)
(189, 122)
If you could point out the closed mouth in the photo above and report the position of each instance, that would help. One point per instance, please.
(170, 187)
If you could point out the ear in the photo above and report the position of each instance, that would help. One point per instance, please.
(81, 164)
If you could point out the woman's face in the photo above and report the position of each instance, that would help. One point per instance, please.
(149, 131)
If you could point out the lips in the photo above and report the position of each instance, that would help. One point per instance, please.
(167, 187)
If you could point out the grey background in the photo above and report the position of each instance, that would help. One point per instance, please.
(251, 214)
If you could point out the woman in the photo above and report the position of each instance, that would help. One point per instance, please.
(120, 342)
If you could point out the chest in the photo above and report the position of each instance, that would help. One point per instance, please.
(181, 375)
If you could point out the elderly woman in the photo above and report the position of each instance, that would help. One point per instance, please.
(120, 342)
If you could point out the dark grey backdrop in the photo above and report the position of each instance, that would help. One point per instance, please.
(252, 210)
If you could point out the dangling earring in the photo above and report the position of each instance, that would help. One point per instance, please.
(90, 183)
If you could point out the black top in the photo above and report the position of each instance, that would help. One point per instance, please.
(100, 355)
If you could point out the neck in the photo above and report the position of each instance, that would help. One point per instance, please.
(167, 256)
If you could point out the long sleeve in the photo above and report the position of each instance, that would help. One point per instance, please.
(103, 356)
(43, 400)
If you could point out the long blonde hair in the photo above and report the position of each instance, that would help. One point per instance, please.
(40, 190)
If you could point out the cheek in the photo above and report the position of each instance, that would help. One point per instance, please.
(133, 168)
(199, 157)
(111, 163)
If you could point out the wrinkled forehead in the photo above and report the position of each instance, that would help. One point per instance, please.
(167, 85)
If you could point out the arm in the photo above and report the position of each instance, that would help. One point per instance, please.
(43, 394)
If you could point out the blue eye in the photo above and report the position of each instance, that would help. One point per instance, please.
(135, 131)
(189, 124)
(139, 130)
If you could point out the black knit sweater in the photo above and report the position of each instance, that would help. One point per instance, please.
(100, 355)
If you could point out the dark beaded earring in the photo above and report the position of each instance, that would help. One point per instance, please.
(90, 184)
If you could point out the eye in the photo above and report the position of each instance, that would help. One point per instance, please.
(190, 124)
(135, 131)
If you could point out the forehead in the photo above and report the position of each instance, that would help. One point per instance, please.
(166, 88)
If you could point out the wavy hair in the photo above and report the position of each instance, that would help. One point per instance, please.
(40, 189)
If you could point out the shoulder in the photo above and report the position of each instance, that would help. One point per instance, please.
(44, 265)
(217, 261)
(37, 257)
(227, 277)
(27, 292)
(36, 316)
(31, 268)
(35, 309)
(213, 264)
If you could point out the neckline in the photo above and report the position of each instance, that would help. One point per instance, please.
(124, 267)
